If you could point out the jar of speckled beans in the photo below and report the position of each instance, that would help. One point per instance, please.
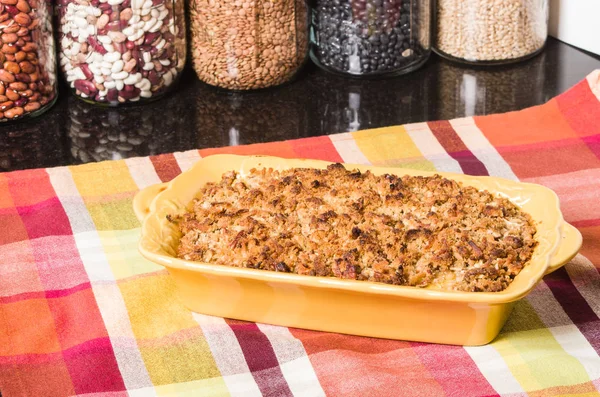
(116, 52)
(371, 38)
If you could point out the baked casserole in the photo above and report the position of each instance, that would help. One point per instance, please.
(421, 231)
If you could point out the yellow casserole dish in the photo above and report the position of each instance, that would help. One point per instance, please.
(347, 306)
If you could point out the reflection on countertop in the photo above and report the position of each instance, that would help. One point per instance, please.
(98, 133)
(317, 103)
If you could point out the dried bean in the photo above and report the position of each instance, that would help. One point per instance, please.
(86, 71)
(23, 6)
(112, 95)
(18, 86)
(150, 37)
(126, 14)
(9, 37)
(12, 67)
(20, 56)
(120, 47)
(13, 113)
(130, 65)
(32, 106)
(85, 86)
(21, 102)
(116, 25)
(22, 19)
(153, 77)
(102, 21)
(24, 77)
(29, 47)
(8, 49)
(33, 24)
(117, 37)
(12, 10)
(6, 105)
(6, 76)
(96, 46)
(12, 95)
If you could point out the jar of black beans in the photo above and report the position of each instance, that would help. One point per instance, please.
(371, 37)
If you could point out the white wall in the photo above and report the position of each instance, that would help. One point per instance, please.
(576, 22)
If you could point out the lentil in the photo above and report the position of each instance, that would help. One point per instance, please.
(248, 44)
(491, 30)
(27, 57)
(97, 37)
(371, 36)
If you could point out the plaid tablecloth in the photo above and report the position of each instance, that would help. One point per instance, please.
(82, 313)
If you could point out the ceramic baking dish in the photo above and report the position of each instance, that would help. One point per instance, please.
(347, 306)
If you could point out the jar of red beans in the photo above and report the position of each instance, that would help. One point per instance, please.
(28, 73)
(115, 52)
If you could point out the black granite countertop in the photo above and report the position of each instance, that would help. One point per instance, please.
(317, 103)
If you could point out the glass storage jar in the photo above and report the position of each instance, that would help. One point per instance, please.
(490, 31)
(371, 37)
(248, 44)
(116, 52)
(28, 73)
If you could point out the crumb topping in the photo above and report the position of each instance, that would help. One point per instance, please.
(410, 230)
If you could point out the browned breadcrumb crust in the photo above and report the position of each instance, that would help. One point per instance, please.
(416, 231)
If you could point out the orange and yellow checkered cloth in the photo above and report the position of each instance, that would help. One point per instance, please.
(82, 313)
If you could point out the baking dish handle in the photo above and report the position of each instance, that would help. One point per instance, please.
(569, 246)
(143, 199)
